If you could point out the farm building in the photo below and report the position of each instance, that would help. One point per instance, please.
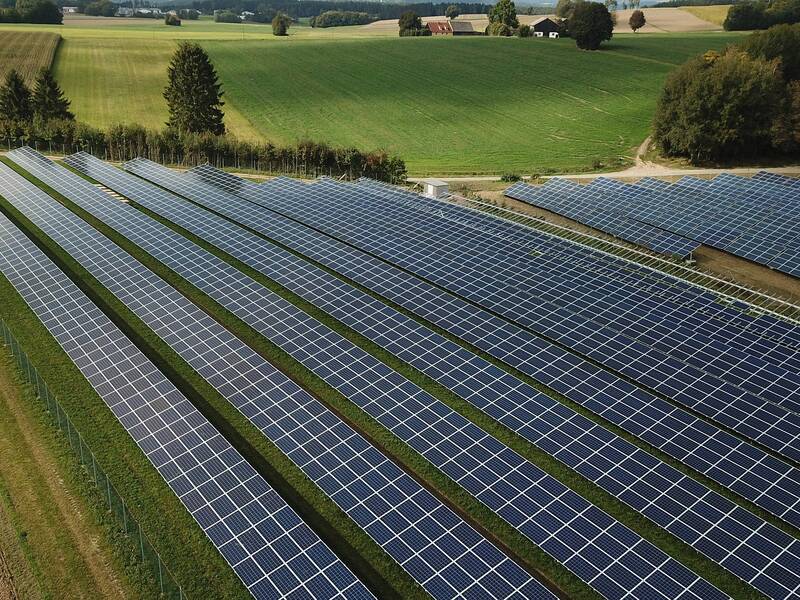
(464, 28)
(440, 28)
(545, 26)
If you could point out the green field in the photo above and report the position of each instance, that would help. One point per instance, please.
(452, 106)
(462, 105)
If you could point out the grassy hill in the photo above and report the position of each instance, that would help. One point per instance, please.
(713, 14)
(459, 105)
(447, 106)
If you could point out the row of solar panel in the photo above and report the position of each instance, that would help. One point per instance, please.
(174, 182)
(436, 249)
(523, 495)
(411, 357)
(437, 548)
(226, 496)
(755, 218)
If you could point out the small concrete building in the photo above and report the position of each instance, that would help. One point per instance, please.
(440, 27)
(545, 26)
(434, 188)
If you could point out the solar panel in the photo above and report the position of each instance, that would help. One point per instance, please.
(256, 532)
(441, 258)
(556, 431)
(584, 208)
(720, 456)
(753, 218)
(488, 482)
(437, 548)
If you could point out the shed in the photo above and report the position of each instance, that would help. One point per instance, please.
(440, 28)
(463, 28)
(434, 188)
(545, 26)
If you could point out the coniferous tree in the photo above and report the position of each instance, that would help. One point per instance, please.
(48, 101)
(15, 98)
(193, 92)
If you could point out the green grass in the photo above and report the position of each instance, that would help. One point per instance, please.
(460, 105)
(27, 52)
(713, 14)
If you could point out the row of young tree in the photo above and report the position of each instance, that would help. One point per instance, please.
(761, 14)
(30, 11)
(739, 104)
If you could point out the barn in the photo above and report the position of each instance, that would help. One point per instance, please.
(440, 28)
(544, 26)
(464, 28)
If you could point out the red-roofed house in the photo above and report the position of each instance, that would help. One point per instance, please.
(440, 28)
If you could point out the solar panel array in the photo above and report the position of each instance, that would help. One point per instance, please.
(745, 469)
(256, 532)
(442, 552)
(558, 430)
(461, 449)
(477, 265)
(756, 218)
(560, 197)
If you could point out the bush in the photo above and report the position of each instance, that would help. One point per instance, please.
(499, 29)
(280, 25)
(226, 16)
(524, 31)
(510, 177)
(173, 20)
(590, 25)
(721, 107)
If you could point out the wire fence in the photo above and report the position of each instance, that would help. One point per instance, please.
(164, 580)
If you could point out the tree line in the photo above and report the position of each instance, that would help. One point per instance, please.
(339, 18)
(30, 11)
(742, 103)
(761, 14)
(311, 8)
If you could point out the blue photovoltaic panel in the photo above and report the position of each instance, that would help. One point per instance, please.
(757, 218)
(464, 463)
(256, 532)
(428, 539)
(702, 446)
(571, 200)
(600, 465)
(440, 257)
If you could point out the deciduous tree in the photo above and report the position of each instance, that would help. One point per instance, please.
(452, 11)
(505, 11)
(280, 24)
(591, 24)
(637, 20)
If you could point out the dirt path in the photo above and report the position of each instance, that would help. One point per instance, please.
(64, 545)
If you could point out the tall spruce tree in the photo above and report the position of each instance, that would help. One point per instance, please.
(48, 101)
(193, 92)
(15, 98)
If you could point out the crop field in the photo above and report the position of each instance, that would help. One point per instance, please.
(714, 14)
(27, 52)
(459, 105)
